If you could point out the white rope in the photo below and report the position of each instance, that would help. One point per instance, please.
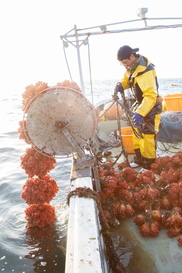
(67, 63)
(90, 74)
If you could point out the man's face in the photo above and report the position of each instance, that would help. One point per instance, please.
(128, 62)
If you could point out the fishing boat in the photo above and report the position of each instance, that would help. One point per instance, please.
(70, 126)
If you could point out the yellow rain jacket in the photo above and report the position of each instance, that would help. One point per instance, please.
(143, 82)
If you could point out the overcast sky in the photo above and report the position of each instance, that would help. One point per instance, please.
(31, 48)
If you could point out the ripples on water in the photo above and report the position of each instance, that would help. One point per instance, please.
(40, 250)
(33, 249)
(21, 249)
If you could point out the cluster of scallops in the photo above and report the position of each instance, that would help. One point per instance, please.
(39, 189)
(153, 197)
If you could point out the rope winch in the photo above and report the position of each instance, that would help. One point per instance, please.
(60, 121)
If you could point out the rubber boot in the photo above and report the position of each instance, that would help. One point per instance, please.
(138, 156)
(147, 162)
(137, 160)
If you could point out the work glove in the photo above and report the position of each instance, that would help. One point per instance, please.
(137, 118)
(119, 88)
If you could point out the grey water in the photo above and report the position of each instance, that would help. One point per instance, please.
(28, 250)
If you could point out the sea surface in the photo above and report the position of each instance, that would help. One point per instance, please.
(28, 250)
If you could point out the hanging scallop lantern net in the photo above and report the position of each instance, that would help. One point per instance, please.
(59, 121)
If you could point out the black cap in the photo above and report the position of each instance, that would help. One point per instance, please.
(125, 51)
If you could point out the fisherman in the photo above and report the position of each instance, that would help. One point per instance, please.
(140, 76)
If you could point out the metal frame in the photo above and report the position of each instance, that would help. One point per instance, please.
(81, 35)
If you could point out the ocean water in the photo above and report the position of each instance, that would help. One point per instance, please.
(24, 250)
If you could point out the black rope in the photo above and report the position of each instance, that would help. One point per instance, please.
(167, 146)
(128, 113)
(123, 151)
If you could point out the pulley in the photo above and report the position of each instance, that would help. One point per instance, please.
(60, 121)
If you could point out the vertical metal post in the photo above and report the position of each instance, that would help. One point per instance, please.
(79, 60)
